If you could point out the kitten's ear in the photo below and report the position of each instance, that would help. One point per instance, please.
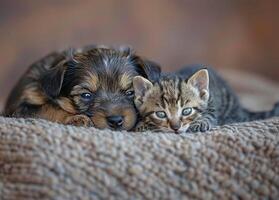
(200, 81)
(141, 85)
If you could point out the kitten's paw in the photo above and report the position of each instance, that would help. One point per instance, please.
(79, 120)
(199, 126)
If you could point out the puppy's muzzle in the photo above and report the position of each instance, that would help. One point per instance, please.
(115, 117)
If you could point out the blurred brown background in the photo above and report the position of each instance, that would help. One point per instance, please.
(223, 33)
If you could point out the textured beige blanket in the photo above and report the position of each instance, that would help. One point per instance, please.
(43, 160)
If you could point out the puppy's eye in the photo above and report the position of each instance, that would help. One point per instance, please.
(86, 96)
(187, 111)
(130, 93)
(161, 114)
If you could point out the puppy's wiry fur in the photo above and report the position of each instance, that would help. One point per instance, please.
(94, 83)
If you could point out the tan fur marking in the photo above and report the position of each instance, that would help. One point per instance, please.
(99, 120)
(125, 81)
(52, 113)
(33, 95)
(67, 105)
(91, 82)
(79, 89)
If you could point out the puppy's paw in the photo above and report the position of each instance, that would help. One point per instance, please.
(79, 120)
(199, 126)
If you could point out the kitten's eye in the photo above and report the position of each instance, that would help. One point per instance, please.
(86, 96)
(161, 114)
(130, 93)
(187, 111)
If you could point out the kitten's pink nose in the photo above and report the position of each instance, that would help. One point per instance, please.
(175, 127)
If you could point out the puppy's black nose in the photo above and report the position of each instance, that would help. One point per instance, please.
(115, 121)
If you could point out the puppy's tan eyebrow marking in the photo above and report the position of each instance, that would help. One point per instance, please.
(91, 82)
(78, 89)
(125, 81)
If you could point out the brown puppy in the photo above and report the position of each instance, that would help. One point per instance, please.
(93, 84)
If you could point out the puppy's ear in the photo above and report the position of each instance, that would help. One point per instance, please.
(141, 86)
(144, 67)
(149, 70)
(200, 81)
(52, 79)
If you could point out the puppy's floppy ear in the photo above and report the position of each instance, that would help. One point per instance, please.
(144, 67)
(141, 86)
(52, 79)
(200, 81)
(150, 70)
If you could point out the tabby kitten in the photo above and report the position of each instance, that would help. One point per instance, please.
(192, 100)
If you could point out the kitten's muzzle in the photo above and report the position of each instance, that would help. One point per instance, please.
(115, 121)
(175, 127)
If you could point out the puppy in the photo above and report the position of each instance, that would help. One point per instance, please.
(92, 85)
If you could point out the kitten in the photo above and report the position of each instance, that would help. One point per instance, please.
(192, 100)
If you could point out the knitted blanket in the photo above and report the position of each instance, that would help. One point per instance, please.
(44, 160)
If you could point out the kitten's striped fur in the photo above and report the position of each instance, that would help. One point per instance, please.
(212, 102)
